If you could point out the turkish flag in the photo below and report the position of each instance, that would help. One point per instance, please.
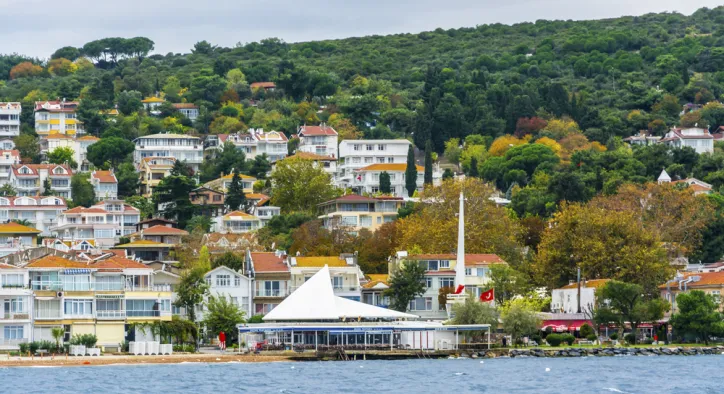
(487, 296)
(460, 289)
(359, 177)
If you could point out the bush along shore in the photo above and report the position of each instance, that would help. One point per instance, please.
(610, 351)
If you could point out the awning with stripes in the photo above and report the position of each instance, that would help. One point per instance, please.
(77, 271)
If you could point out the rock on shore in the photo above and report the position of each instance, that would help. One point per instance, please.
(608, 352)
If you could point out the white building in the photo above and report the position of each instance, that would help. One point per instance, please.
(356, 154)
(344, 271)
(40, 212)
(320, 140)
(101, 225)
(237, 222)
(699, 139)
(10, 119)
(8, 158)
(78, 145)
(225, 282)
(367, 179)
(30, 179)
(59, 117)
(17, 301)
(565, 299)
(105, 184)
(179, 146)
(188, 110)
(253, 143)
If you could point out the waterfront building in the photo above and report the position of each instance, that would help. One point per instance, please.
(344, 271)
(320, 140)
(10, 119)
(181, 147)
(357, 212)
(30, 179)
(232, 285)
(565, 299)
(40, 212)
(188, 110)
(373, 290)
(356, 154)
(271, 279)
(57, 117)
(102, 224)
(16, 299)
(151, 170)
(367, 179)
(105, 184)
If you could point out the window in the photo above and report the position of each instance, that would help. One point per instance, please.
(217, 197)
(390, 160)
(104, 233)
(421, 304)
(444, 264)
(223, 280)
(73, 307)
(429, 265)
(483, 272)
(717, 296)
(468, 272)
(13, 332)
(337, 282)
(380, 159)
(365, 221)
(237, 281)
(356, 160)
(235, 301)
(12, 280)
(14, 305)
(370, 147)
(368, 160)
(349, 220)
(140, 308)
(447, 282)
(428, 282)
(380, 147)
(356, 147)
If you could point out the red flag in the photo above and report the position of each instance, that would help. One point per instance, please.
(487, 296)
(359, 177)
(460, 289)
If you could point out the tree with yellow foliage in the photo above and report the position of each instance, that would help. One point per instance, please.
(503, 143)
(560, 128)
(345, 129)
(62, 67)
(551, 143)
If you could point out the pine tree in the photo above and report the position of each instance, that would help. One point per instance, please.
(385, 184)
(235, 198)
(428, 163)
(411, 173)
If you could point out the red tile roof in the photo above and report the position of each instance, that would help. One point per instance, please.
(264, 85)
(34, 168)
(593, 283)
(163, 230)
(119, 263)
(706, 279)
(317, 130)
(55, 262)
(104, 176)
(184, 106)
(268, 262)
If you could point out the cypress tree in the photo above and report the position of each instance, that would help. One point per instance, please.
(411, 173)
(235, 198)
(428, 163)
(473, 168)
(385, 184)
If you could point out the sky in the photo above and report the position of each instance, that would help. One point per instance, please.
(39, 27)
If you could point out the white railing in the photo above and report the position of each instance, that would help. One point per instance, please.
(162, 288)
(271, 293)
(13, 342)
(46, 285)
(109, 286)
(110, 314)
(15, 316)
(41, 314)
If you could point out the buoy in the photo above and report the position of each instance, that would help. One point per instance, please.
(86, 362)
(292, 367)
(482, 362)
(548, 369)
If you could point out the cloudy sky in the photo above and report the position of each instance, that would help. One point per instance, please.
(38, 27)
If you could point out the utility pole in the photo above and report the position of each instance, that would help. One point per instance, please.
(579, 289)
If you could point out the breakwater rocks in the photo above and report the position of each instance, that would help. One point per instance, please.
(610, 352)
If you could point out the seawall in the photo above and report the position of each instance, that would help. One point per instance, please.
(608, 352)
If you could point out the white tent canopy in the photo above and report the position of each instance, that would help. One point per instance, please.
(315, 300)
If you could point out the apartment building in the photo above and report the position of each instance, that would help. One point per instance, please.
(10, 119)
(356, 154)
(440, 273)
(105, 184)
(40, 212)
(179, 146)
(367, 179)
(16, 299)
(271, 276)
(101, 225)
(98, 298)
(8, 158)
(151, 170)
(32, 179)
(357, 212)
(320, 140)
(343, 269)
(254, 142)
(57, 117)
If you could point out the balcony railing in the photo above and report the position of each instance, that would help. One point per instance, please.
(110, 315)
(147, 313)
(47, 285)
(271, 293)
(15, 316)
(52, 314)
(13, 342)
(109, 286)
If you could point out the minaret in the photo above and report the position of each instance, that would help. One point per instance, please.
(460, 264)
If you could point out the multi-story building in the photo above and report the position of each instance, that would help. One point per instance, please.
(253, 143)
(209, 202)
(17, 301)
(100, 298)
(236, 222)
(102, 224)
(440, 273)
(344, 270)
(232, 285)
(8, 158)
(320, 140)
(328, 163)
(357, 212)
(15, 237)
(40, 212)
(32, 179)
(151, 171)
(79, 146)
(373, 290)
(356, 154)
(147, 251)
(179, 146)
(81, 151)
(188, 110)
(222, 184)
(57, 117)
(10, 119)
(271, 276)
(694, 137)
(161, 234)
(367, 179)
(105, 184)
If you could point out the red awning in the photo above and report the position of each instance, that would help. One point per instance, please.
(564, 325)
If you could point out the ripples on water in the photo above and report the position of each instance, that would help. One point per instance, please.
(675, 374)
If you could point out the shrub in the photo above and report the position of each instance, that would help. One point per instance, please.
(568, 338)
(592, 337)
(34, 346)
(47, 345)
(649, 341)
(630, 338)
(554, 339)
(24, 347)
(586, 330)
(613, 336)
(87, 340)
(537, 338)
(256, 319)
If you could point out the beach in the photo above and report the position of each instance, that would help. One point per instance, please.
(62, 360)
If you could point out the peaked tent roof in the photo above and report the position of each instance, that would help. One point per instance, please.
(315, 300)
(664, 177)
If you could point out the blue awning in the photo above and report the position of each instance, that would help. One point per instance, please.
(77, 271)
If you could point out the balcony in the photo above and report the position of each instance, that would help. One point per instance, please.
(15, 316)
(146, 313)
(48, 314)
(46, 285)
(271, 293)
(110, 315)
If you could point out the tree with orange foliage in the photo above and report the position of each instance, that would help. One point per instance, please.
(25, 70)
(551, 143)
(344, 127)
(503, 143)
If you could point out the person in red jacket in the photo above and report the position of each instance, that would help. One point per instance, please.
(222, 341)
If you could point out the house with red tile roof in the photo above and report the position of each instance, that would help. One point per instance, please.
(103, 223)
(160, 234)
(696, 138)
(105, 184)
(10, 119)
(711, 283)
(267, 86)
(31, 179)
(320, 140)
(188, 110)
(271, 277)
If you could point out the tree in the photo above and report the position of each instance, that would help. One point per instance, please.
(28, 146)
(585, 236)
(128, 180)
(47, 189)
(406, 283)
(172, 194)
(428, 163)
(58, 333)
(70, 53)
(411, 173)
(81, 190)
(201, 223)
(63, 155)
(697, 315)
(129, 102)
(111, 150)
(260, 166)
(473, 172)
(621, 303)
(25, 70)
(453, 151)
(474, 312)
(193, 287)
(7, 190)
(229, 260)
(235, 198)
(299, 185)
(223, 315)
(507, 282)
(385, 183)
(519, 321)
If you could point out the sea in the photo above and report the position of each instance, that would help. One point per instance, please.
(630, 374)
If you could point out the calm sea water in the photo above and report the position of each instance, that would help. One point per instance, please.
(675, 374)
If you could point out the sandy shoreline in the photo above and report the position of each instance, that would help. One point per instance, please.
(69, 361)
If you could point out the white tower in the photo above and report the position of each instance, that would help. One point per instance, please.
(460, 264)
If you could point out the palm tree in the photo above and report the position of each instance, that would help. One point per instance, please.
(57, 333)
